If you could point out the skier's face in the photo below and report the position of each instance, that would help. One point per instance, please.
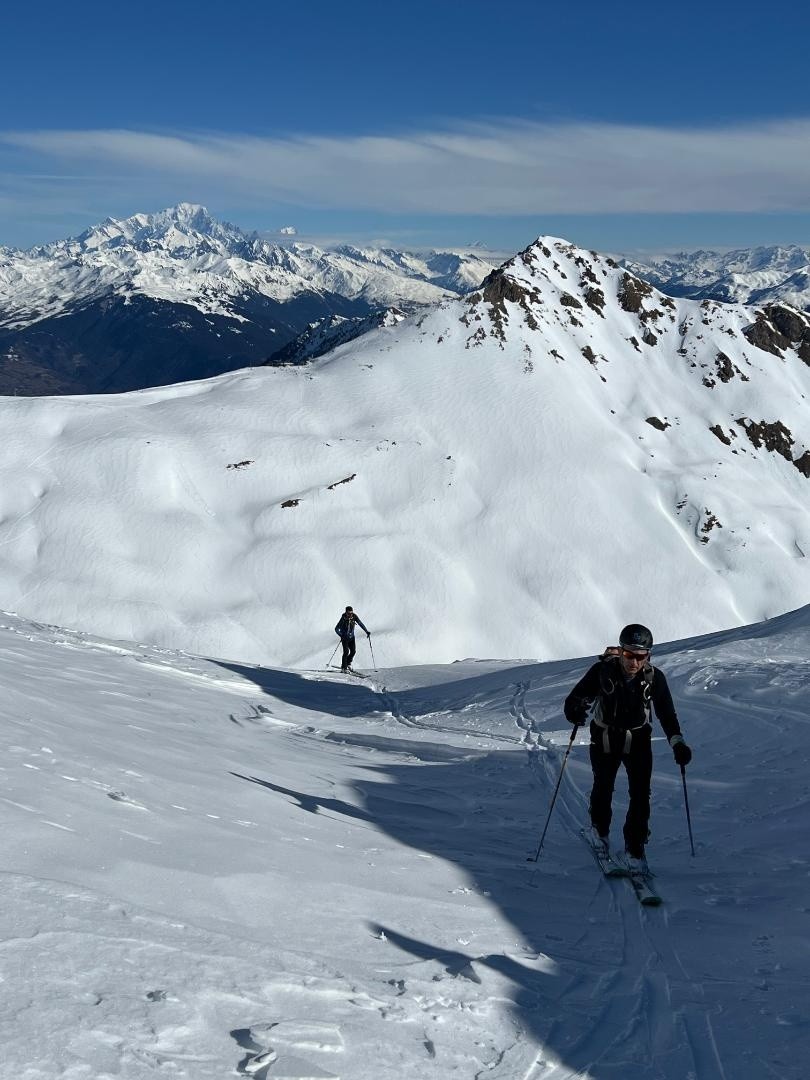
(632, 660)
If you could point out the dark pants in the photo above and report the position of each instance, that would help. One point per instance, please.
(349, 649)
(638, 764)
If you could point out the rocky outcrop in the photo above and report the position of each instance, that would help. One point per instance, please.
(777, 328)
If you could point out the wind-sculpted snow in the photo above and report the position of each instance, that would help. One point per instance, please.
(216, 869)
(564, 448)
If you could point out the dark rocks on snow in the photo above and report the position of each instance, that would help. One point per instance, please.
(632, 292)
(337, 483)
(725, 368)
(775, 437)
(567, 300)
(656, 422)
(589, 354)
(497, 288)
(716, 430)
(803, 464)
(710, 523)
(649, 338)
(777, 328)
(595, 299)
(290, 502)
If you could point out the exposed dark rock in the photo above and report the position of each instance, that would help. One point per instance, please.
(587, 272)
(634, 342)
(803, 464)
(337, 483)
(710, 523)
(764, 335)
(567, 300)
(290, 502)
(595, 299)
(589, 354)
(716, 430)
(775, 437)
(632, 292)
(655, 422)
(791, 323)
(239, 465)
(499, 287)
(649, 338)
(725, 368)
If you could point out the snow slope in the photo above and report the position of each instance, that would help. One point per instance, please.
(211, 869)
(509, 474)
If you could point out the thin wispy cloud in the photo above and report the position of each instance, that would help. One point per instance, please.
(506, 168)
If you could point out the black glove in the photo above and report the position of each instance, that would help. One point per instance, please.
(681, 753)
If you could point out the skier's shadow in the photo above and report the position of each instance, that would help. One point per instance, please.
(475, 809)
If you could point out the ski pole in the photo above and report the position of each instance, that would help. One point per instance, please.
(686, 804)
(554, 796)
(331, 658)
(373, 661)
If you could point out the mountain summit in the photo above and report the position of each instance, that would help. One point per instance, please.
(177, 295)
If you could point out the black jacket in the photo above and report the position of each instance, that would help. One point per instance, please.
(622, 703)
(345, 624)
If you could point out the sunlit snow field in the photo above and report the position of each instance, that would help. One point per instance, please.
(211, 868)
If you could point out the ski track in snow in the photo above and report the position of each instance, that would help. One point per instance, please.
(218, 870)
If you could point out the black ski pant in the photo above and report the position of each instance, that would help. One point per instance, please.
(349, 649)
(638, 765)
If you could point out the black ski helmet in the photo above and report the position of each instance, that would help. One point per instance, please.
(636, 636)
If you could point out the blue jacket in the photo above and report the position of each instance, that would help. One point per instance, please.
(345, 624)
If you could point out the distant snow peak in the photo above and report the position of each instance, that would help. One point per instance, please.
(177, 295)
(288, 230)
(745, 275)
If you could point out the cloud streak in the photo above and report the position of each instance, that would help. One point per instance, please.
(495, 169)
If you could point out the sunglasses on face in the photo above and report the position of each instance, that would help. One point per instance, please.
(628, 654)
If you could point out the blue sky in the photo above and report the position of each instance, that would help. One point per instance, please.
(620, 126)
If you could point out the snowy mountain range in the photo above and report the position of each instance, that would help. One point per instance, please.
(517, 472)
(168, 297)
(747, 276)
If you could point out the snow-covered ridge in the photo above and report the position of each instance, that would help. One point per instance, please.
(560, 452)
(183, 255)
(747, 275)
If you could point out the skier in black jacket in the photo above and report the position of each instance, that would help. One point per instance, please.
(616, 694)
(345, 631)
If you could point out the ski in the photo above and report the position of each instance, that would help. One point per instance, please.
(606, 863)
(350, 671)
(641, 880)
(644, 890)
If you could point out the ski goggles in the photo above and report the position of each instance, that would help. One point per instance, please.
(631, 654)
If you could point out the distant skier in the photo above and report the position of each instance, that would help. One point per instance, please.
(616, 694)
(345, 631)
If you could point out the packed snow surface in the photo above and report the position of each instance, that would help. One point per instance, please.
(213, 869)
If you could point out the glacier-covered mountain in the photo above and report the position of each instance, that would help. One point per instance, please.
(176, 295)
